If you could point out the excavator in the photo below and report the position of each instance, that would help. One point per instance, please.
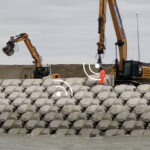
(124, 71)
(40, 71)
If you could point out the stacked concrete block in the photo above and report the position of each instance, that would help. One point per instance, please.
(6, 83)
(61, 102)
(90, 82)
(35, 107)
(143, 88)
(27, 83)
(18, 101)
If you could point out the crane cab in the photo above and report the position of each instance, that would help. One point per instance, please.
(136, 69)
(44, 72)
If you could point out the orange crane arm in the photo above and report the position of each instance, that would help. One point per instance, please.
(121, 37)
(120, 34)
(31, 48)
(101, 27)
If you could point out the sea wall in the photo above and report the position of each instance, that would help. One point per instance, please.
(43, 107)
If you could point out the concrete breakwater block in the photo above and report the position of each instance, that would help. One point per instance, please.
(33, 106)
(80, 81)
(71, 132)
(91, 82)
(115, 109)
(83, 116)
(36, 116)
(61, 102)
(109, 102)
(2, 107)
(78, 124)
(46, 131)
(111, 132)
(14, 131)
(73, 116)
(132, 116)
(120, 88)
(10, 89)
(40, 102)
(17, 124)
(61, 132)
(139, 109)
(23, 131)
(18, 101)
(85, 132)
(4, 116)
(97, 116)
(103, 125)
(6, 83)
(91, 109)
(95, 133)
(70, 81)
(126, 95)
(8, 123)
(63, 94)
(76, 88)
(26, 116)
(89, 124)
(28, 82)
(15, 95)
(114, 125)
(22, 108)
(30, 89)
(133, 102)
(54, 125)
(59, 116)
(121, 117)
(143, 88)
(49, 116)
(44, 109)
(37, 131)
(79, 95)
(9, 108)
(3, 95)
(147, 95)
(97, 89)
(145, 117)
(31, 124)
(137, 132)
(85, 102)
(14, 116)
(65, 124)
(53, 88)
(129, 125)
(41, 124)
(49, 82)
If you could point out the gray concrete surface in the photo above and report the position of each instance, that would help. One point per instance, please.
(33, 107)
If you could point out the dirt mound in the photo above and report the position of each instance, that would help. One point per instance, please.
(65, 71)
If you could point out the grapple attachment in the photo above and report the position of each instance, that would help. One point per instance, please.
(9, 49)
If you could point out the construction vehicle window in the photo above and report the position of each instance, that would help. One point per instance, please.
(39, 71)
(127, 70)
(46, 71)
(135, 69)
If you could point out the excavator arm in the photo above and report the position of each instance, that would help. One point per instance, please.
(120, 34)
(8, 50)
(101, 29)
(40, 71)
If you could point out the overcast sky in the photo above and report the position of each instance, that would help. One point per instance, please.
(65, 31)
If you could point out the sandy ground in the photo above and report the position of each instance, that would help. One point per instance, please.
(65, 71)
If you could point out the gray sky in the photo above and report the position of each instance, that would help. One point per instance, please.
(65, 31)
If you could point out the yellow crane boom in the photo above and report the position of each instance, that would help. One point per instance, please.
(120, 34)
